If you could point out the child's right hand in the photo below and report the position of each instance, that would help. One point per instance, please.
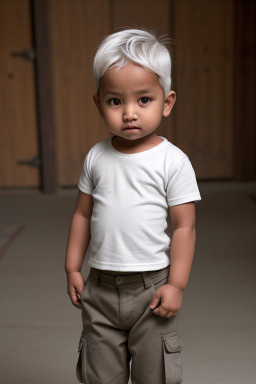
(75, 286)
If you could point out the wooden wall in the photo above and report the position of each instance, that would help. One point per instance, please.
(18, 122)
(245, 89)
(204, 45)
(204, 80)
(202, 120)
(77, 28)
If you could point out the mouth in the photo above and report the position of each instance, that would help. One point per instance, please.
(130, 128)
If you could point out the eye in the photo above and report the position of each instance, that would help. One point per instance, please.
(114, 101)
(144, 100)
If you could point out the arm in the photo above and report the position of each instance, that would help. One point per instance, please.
(181, 254)
(78, 241)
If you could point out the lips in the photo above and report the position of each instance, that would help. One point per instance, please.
(130, 128)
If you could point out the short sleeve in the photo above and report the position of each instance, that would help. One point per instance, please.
(85, 183)
(182, 185)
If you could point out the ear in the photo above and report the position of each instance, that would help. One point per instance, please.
(97, 102)
(169, 103)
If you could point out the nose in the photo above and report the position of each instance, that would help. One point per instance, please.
(130, 113)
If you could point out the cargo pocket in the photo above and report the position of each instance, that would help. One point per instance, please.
(80, 367)
(172, 347)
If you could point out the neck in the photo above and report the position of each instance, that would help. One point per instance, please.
(135, 146)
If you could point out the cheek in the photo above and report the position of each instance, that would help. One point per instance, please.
(155, 116)
(111, 117)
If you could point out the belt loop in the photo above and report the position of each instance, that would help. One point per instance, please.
(146, 279)
(96, 276)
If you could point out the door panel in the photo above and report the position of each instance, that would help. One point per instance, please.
(150, 14)
(204, 85)
(18, 125)
(77, 28)
(201, 123)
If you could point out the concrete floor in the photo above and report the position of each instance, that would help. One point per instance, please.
(40, 329)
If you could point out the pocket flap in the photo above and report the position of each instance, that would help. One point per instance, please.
(172, 342)
(81, 342)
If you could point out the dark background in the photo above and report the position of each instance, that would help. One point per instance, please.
(47, 117)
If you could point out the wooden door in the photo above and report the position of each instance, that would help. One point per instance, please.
(77, 29)
(204, 81)
(201, 123)
(18, 125)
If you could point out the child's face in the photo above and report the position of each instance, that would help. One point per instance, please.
(131, 101)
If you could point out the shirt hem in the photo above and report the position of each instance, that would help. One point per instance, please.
(183, 200)
(128, 267)
(85, 190)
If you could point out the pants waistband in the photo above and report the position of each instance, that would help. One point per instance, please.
(146, 278)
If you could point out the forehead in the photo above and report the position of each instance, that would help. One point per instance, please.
(130, 78)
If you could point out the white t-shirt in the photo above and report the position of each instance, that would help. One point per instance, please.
(132, 193)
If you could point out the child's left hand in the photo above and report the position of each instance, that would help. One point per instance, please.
(169, 298)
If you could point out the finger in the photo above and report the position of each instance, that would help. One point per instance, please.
(77, 305)
(156, 312)
(160, 312)
(76, 302)
(168, 315)
(79, 291)
(155, 306)
(155, 302)
(74, 297)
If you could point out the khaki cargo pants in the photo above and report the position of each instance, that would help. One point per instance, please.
(119, 327)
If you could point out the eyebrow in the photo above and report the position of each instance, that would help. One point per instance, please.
(115, 93)
(148, 90)
(112, 93)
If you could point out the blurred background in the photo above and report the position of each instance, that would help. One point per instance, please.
(47, 116)
(48, 122)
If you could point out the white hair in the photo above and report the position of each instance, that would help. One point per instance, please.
(136, 45)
